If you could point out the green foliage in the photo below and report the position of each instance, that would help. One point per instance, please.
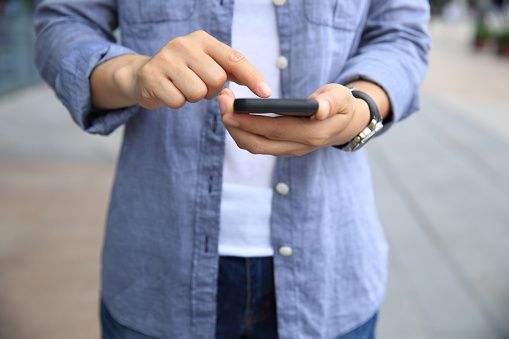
(502, 37)
(483, 32)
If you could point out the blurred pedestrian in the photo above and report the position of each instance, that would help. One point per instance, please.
(197, 244)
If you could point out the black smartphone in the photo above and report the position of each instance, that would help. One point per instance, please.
(290, 107)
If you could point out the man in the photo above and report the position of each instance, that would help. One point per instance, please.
(249, 226)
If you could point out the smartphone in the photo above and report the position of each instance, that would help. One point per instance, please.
(290, 107)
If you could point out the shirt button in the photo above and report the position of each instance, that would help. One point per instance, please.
(282, 188)
(285, 251)
(279, 2)
(282, 62)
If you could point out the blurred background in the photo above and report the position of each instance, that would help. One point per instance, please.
(441, 177)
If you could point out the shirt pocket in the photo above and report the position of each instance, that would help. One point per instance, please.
(343, 14)
(150, 11)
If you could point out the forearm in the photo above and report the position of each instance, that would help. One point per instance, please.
(73, 37)
(393, 54)
(111, 83)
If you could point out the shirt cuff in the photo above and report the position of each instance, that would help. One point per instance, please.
(72, 87)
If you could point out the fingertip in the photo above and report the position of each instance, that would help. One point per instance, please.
(222, 104)
(263, 90)
(228, 92)
(225, 101)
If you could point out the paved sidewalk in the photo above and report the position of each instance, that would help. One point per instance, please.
(443, 191)
(443, 199)
(54, 188)
(441, 179)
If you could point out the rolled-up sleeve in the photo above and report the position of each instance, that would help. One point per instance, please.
(393, 53)
(73, 37)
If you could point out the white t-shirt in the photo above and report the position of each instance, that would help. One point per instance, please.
(247, 190)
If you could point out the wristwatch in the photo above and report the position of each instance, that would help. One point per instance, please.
(374, 126)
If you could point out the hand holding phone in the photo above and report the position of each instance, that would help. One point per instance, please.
(289, 107)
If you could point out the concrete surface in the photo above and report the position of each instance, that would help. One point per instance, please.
(442, 182)
(442, 188)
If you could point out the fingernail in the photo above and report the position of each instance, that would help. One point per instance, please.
(264, 89)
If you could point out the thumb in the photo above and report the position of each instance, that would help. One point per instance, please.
(324, 106)
(226, 99)
(332, 99)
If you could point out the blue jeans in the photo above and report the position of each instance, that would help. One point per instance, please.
(246, 305)
(246, 300)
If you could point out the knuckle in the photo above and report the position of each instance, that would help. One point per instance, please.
(211, 95)
(148, 99)
(287, 153)
(219, 79)
(146, 73)
(197, 94)
(176, 41)
(241, 145)
(301, 151)
(165, 55)
(180, 43)
(236, 56)
(254, 148)
(177, 102)
(200, 33)
(147, 93)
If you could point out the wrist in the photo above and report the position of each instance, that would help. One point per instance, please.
(111, 83)
(125, 77)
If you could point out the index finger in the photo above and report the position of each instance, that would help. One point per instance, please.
(238, 67)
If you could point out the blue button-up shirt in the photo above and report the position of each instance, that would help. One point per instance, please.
(160, 257)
